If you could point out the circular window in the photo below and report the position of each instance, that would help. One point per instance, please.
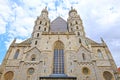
(9, 75)
(107, 75)
(85, 71)
(31, 71)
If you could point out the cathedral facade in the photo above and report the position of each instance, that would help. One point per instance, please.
(58, 50)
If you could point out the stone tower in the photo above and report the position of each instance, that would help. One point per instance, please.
(58, 50)
(42, 24)
(75, 23)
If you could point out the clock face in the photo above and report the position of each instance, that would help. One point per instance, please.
(44, 14)
(73, 14)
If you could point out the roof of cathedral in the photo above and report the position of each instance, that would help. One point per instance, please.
(23, 43)
(93, 43)
(32, 49)
(58, 25)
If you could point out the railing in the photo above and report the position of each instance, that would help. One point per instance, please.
(58, 78)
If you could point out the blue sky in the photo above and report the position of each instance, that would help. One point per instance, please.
(101, 18)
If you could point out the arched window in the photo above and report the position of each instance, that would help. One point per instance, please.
(46, 24)
(86, 71)
(35, 42)
(79, 40)
(16, 54)
(107, 75)
(39, 27)
(76, 22)
(76, 27)
(44, 29)
(33, 57)
(37, 34)
(83, 55)
(40, 22)
(58, 67)
(99, 53)
(9, 75)
(78, 33)
(30, 71)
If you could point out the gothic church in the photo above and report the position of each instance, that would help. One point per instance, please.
(58, 50)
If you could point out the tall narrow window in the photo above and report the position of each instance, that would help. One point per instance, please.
(46, 24)
(33, 57)
(76, 22)
(39, 27)
(37, 34)
(40, 22)
(79, 40)
(76, 27)
(44, 29)
(99, 53)
(35, 42)
(78, 33)
(58, 67)
(83, 55)
(16, 54)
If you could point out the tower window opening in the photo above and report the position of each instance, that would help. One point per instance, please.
(39, 27)
(46, 24)
(78, 33)
(79, 40)
(40, 22)
(37, 34)
(76, 22)
(35, 42)
(44, 29)
(76, 27)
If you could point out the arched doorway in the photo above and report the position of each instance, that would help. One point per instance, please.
(107, 75)
(8, 75)
(58, 66)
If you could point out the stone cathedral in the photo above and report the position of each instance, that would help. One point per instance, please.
(58, 50)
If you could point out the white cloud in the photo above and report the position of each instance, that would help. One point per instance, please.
(7, 43)
(22, 27)
(2, 26)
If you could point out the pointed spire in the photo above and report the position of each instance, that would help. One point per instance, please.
(13, 42)
(102, 40)
(71, 8)
(45, 10)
